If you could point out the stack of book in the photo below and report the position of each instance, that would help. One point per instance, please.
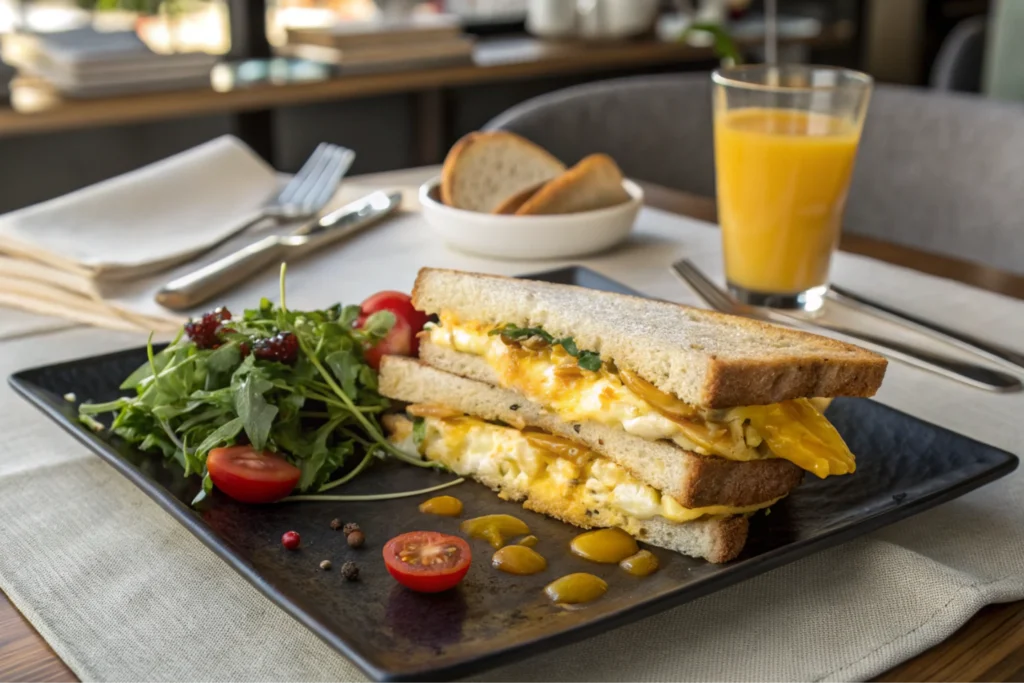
(89, 63)
(383, 43)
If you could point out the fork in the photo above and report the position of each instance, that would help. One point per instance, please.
(311, 188)
(961, 371)
(304, 195)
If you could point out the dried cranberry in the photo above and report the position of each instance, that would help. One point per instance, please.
(205, 332)
(291, 540)
(282, 347)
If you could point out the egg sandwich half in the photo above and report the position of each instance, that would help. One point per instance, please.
(604, 410)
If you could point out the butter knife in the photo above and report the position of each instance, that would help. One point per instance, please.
(1011, 360)
(961, 371)
(206, 282)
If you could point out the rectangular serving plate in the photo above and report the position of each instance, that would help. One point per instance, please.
(905, 466)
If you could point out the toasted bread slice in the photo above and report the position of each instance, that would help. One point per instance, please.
(484, 169)
(593, 183)
(717, 539)
(693, 480)
(512, 204)
(705, 358)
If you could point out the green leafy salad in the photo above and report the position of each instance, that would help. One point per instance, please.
(294, 383)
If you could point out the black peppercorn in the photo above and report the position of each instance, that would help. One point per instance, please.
(350, 527)
(350, 570)
(335, 523)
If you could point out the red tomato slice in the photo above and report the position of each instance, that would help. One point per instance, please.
(427, 561)
(398, 303)
(251, 476)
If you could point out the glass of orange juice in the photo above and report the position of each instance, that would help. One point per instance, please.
(785, 142)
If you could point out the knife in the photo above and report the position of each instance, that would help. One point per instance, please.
(961, 371)
(206, 282)
(1011, 360)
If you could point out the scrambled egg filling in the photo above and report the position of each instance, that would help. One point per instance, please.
(550, 469)
(794, 430)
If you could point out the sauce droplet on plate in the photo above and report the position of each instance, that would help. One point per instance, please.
(518, 559)
(528, 541)
(606, 546)
(575, 589)
(644, 563)
(446, 506)
(495, 529)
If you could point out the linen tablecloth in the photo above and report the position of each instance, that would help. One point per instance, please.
(122, 592)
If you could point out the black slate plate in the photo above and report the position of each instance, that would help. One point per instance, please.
(904, 466)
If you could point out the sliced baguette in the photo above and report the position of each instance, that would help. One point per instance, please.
(705, 358)
(693, 480)
(594, 183)
(484, 169)
(512, 204)
(716, 539)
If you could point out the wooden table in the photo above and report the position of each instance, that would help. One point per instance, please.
(495, 60)
(990, 647)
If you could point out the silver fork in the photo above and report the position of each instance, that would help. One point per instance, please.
(311, 188)
(961, 371)
(304, 195)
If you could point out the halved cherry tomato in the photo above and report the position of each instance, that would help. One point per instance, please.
(251, 476)
(427, 561)
(401, 340)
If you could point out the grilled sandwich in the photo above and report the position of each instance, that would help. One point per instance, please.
(672, 423)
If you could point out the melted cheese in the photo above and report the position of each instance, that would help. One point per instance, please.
(793, 430)
(571, 477)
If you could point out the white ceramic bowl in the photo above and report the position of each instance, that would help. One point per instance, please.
(530, 237)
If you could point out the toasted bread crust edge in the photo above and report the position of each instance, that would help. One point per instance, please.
(738, 383)
(512, 204)
(734, 383)
(539, 202)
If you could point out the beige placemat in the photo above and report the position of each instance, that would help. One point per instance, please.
(122, 593)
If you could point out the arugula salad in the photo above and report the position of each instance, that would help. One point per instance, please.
(271, 388)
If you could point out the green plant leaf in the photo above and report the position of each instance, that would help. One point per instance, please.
(346, 366)
(378, 325)
(419, 431)
(222, 436)
(256, 414)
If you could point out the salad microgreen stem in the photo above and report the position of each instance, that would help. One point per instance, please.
(376, 496)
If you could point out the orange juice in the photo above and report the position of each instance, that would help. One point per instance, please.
(782, 176)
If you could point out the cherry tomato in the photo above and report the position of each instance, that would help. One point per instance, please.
(251, 476)
(401, 340)
(427, 561)
(291, 540)
(398, 303)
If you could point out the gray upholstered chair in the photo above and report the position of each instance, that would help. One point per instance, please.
(941, 172)
(961, 57)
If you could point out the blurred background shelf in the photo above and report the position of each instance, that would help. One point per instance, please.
(404, 116)
(253, 85)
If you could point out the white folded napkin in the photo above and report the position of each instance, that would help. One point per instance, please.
(148, 219)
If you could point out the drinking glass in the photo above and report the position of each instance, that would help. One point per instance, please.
(785, 141)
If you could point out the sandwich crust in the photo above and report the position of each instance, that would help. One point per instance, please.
(703, 357)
